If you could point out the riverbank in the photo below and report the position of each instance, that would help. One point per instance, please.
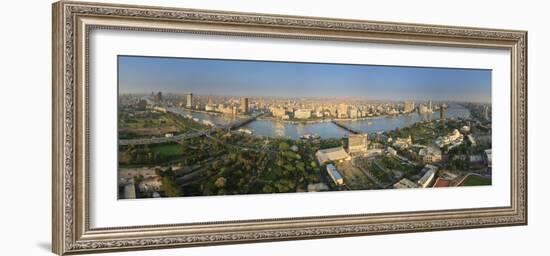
(325, 128)
(326, 120)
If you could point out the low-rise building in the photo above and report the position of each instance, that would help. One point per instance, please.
(332, 155)
(428, 177)
(403, 143)
(335, 175)
(430, 154)
(454, 138)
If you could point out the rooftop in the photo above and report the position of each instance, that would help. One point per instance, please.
(331, 154)
(440, 183)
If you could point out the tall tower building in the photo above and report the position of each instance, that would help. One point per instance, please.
(158, 97)
(430, 106)
(244, 104)
(443, 113)
(189, 103)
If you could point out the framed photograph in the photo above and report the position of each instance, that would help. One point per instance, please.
(178, 127)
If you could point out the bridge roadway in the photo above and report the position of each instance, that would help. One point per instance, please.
(186, 136)
(347, 128)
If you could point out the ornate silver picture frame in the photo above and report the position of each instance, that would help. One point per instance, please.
(74, 21)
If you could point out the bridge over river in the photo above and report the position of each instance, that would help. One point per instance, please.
(347, 128)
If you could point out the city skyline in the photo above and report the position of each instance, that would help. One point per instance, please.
(140, 75)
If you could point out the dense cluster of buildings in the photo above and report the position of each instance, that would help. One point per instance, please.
(300, 109)
(357, 144)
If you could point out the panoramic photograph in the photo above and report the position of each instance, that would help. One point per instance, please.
(212, 127)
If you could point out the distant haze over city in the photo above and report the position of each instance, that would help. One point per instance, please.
(141, 75)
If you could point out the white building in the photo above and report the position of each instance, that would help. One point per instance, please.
(454, 138)
(403, 143)
(302, 113)
(332, 155)
(278, 112)
(430, 154)
(424, 109)
(334, 174)
(428, 177)
(209, 107)
(392, 151)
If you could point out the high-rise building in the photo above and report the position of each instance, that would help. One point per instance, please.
(302, 113)
(158, 97)
(430, 106)
(244, 105)
(409, 107)
(423, 109)
(189, 103)
(342, 111)
(357, 143)
(278, 112)
(443, 112)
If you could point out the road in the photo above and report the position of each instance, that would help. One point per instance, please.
(185, 136)
(176, 138)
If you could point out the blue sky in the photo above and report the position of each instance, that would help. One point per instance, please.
(293, 79)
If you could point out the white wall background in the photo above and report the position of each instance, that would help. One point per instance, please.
(25, 144)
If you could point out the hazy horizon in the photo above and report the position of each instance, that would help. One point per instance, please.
(232, 78)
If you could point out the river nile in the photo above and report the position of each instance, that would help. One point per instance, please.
(326, 129)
